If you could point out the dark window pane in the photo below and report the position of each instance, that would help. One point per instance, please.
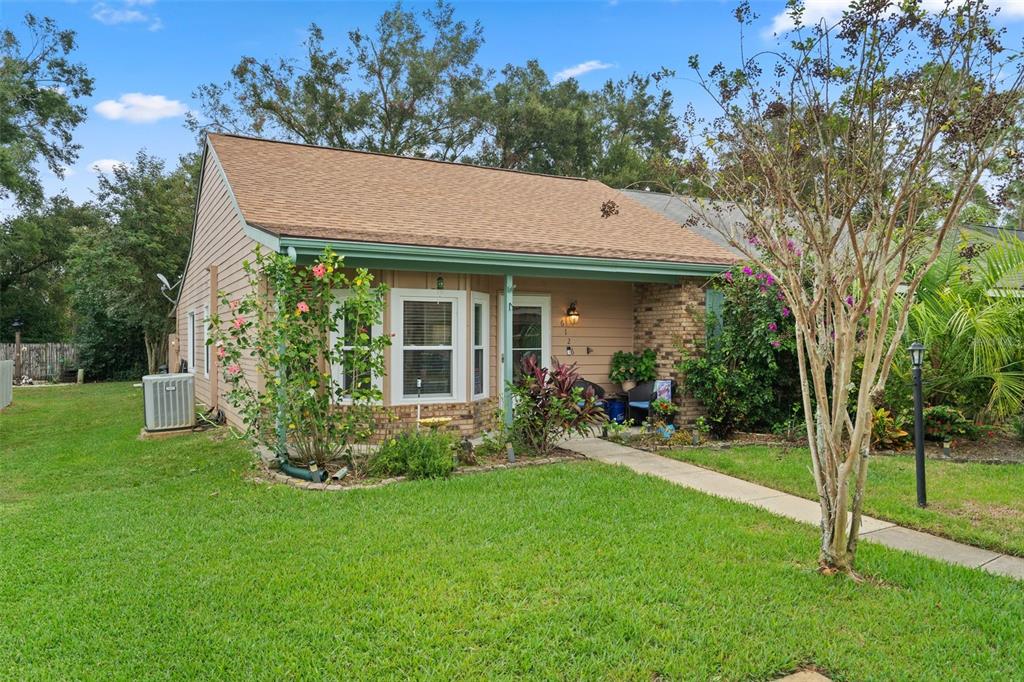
(519, 354)
(427, 323)
(478, 371)
(350, 378)
(434, 367)
(350, 330)
(526, 327)
(478, 324)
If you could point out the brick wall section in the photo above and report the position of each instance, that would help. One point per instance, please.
(468, 419)
(670, 319)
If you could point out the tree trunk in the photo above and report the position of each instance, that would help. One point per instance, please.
(156, 348)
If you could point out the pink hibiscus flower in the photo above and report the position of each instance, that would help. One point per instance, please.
(302, 307)
(319, 270)
(239, 321)
(234, 369)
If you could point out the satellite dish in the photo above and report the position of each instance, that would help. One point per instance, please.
(166, 286)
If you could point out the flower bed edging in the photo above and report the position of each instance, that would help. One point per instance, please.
(269, 475)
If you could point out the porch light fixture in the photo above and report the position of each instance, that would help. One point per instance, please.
(572, 316)
(440, 283)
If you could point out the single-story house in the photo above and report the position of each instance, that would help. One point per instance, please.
(455, 243)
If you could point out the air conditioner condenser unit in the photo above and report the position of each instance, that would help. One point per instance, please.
(169, 401)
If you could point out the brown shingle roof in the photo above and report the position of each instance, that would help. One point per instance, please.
(303, 191)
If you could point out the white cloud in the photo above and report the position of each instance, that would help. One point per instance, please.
(580, 69)
(832, 10)
(136, 107)
(104, 165)
(125, 12)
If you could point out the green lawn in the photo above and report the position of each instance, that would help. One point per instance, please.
(980, 504)
(124, 559)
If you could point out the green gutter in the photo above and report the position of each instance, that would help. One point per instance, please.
(432, 259)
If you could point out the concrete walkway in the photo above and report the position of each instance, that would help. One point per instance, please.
(791, 506)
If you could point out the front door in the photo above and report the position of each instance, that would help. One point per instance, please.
(531, 331)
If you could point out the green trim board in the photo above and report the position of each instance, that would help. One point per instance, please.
(433, 258)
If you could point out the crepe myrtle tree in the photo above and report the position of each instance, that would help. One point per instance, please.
(285, 325)
(841, 160)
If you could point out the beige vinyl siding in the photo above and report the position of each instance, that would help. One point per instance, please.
(605, 326)
(219, 239)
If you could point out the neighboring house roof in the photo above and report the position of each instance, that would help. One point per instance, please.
(295, 190)
(680, 210)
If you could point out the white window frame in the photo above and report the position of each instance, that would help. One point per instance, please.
(190, 327)
(484, 301)
(206, 339)
(459, 360)
(543, 301)
(376, 330)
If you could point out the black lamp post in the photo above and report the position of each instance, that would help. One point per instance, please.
(916, 360)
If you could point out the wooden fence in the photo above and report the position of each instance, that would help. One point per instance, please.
(44, 361)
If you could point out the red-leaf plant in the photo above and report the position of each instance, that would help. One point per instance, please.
(550, 406)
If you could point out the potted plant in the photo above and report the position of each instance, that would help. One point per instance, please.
(630, 368)
(623, 368)
(662, 413)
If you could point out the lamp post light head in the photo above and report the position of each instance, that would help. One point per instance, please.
(916, 354)
(17, 323)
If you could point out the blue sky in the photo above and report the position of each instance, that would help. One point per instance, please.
(147, 56)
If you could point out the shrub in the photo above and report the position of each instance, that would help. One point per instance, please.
(549, 406)
(888, 431)
(746, 375)
(286, 328)
(416, 454)
(1017, 425)
(638, 366)
(944, 423)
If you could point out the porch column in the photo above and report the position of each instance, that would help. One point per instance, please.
(506, 349)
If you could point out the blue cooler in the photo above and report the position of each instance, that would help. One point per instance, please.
(616, 410)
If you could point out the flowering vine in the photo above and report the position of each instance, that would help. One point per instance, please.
(308, 370)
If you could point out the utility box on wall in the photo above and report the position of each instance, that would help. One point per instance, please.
(169, 401)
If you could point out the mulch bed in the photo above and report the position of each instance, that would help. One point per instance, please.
(268, 474)
(993, 448)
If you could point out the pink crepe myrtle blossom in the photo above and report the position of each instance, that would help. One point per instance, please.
(776, 343)
(319, 270)
(785, 311)
(849, 300)
(747, 271)
(773, 327)
(234, 369)
(769, 280)
(302, 307)
(239, 321)
(781, 296)
(727, 276)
